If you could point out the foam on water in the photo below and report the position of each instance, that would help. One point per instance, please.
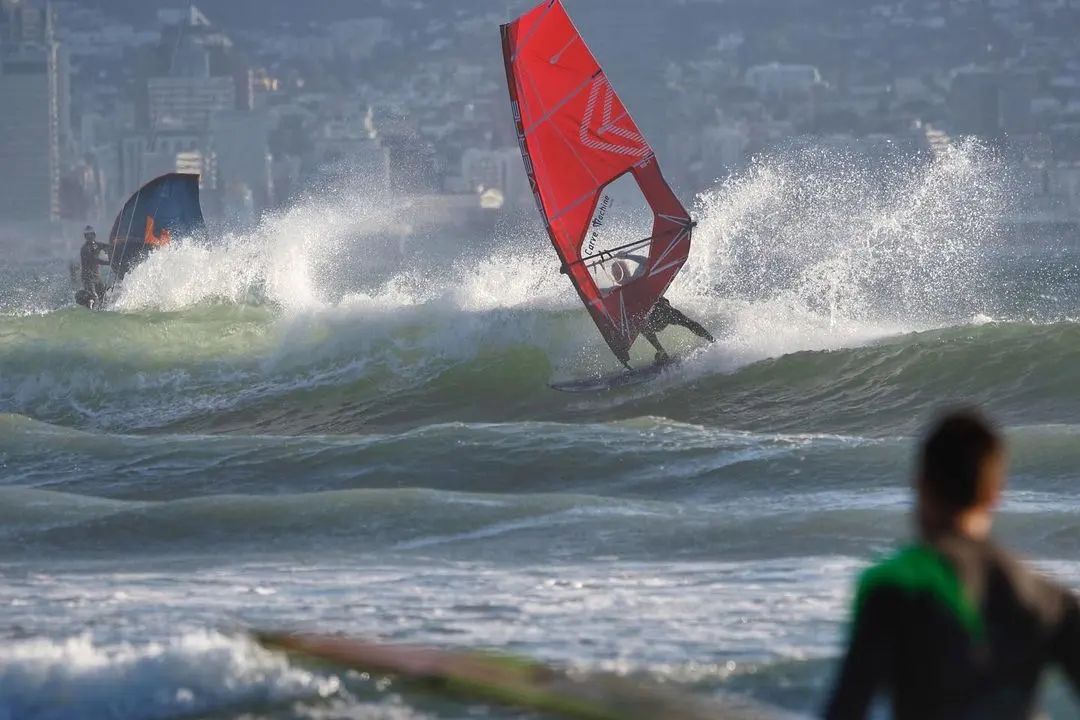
(195, 673)
(816, 250)
(809, 249)
(278, 261)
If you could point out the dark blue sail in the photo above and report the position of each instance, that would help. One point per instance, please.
(163, 209)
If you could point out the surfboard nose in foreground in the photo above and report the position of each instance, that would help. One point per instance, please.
(516, 682)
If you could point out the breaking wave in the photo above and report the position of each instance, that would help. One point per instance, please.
(192, 674)
(316, 322)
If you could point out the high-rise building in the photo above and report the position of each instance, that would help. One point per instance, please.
(188, 103)
(194, 85)
(784, 82)
(975, 102)
(241, 145)
(1018, 89)
(499, 169)
(193, 73)
(30, 88)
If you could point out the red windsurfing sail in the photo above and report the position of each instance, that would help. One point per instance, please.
(620, 232)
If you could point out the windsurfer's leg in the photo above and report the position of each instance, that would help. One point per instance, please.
(698, 330)
(661, 353)
(678, 318)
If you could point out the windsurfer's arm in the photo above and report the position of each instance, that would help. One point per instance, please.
(865, 665)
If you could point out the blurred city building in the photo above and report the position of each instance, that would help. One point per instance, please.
(34, 120)
(408, 100)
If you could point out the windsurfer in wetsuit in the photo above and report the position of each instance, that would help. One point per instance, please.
(91, 262)
(953, 626)
(663, 315)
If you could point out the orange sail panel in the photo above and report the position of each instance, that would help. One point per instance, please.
(620, 231)
(150, 239)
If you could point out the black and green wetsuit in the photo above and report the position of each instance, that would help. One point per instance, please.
(955, 630)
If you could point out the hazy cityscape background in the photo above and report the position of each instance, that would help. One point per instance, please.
(338, 415)
(268, 99)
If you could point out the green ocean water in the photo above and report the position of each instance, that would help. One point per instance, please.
(302, 427)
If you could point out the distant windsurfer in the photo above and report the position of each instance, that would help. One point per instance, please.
(661, 316)
(91, 262)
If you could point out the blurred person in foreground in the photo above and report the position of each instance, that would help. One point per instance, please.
(952, 626)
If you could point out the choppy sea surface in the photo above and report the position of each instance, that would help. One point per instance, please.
(301, 428)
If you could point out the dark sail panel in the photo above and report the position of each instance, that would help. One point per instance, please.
(164, 209)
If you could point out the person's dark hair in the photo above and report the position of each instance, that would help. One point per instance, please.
(953, 454)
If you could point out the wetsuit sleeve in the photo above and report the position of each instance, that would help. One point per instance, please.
(865, 665)
(1066, 642)
(677, 318)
